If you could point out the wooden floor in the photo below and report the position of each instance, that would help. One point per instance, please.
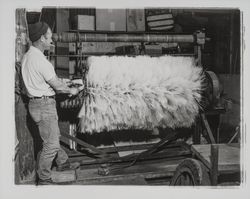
(152, 172)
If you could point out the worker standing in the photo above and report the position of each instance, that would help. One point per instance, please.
(42, 84)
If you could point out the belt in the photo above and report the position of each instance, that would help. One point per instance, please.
(43, 97)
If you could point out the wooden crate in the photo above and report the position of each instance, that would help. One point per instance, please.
(135, 20)
(111, 19)
(84, 22)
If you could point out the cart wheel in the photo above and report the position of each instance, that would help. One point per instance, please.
(190, 172)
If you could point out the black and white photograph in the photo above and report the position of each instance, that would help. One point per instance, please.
(148, 97)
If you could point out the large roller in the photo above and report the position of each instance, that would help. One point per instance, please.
(198, 37)
(140, 93)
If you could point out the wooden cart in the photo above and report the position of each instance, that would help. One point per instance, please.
(217, 164)
(165, 163)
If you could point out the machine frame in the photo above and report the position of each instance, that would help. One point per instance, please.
(173, 160)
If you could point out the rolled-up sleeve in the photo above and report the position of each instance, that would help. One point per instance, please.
(47, 71)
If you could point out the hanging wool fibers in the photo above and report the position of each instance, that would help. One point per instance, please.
(140, 93)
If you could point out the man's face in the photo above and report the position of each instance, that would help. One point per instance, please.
(47, 39)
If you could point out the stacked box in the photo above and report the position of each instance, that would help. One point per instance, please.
(160, 22)
(111, 19)
(135, 20)
(72, 47)
(85, 22)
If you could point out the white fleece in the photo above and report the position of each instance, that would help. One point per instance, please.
(141, 93)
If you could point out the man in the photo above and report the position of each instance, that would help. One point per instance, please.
(41, 83)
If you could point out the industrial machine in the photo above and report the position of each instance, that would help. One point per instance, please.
(171, 158)
(174, 158)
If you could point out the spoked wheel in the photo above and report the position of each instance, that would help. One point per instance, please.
(185, 178)
(190, 172)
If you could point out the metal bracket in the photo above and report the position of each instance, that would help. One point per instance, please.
(200, 37)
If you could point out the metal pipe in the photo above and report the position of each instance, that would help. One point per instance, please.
(95, 54)
(111, 37)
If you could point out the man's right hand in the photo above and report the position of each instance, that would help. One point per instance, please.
(73, 91)
(61, 87)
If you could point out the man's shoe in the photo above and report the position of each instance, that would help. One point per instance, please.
(68, 166)
(46, 182)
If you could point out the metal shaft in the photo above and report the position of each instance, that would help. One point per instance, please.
(111, 37)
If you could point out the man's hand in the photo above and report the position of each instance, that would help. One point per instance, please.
(73, 91)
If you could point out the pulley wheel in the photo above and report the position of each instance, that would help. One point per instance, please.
(213, 87)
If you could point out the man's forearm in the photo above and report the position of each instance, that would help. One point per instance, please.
(59, 86)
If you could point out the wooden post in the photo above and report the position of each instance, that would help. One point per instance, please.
(218, 129)
(62, 25)
(214, 164)
(25, 159)
(231, 41)
(199, 55)
(210, 133)
(197, 131)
